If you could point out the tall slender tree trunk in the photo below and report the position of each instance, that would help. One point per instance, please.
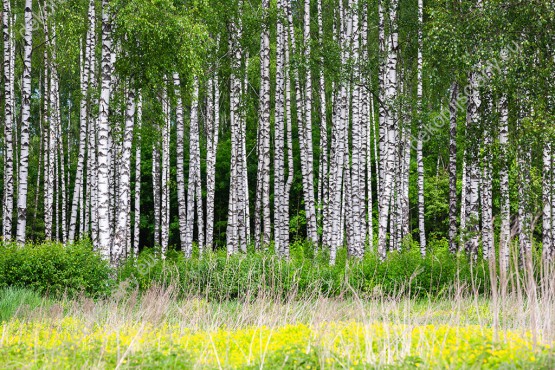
(213, 128)
(487, 192)
(280, 228)
(138, 142)
(453, 244)
(156, 189)
(262, 216)
(390, 131)
(8, 123)
(165, 183)
(419, 156)
(356, 247)
(547, 236)
(472, 211)
(180, 170)
(121, 242)
(323, 163)
(91, 210)
(25, 124)
(194, 171)
(505, 232)
(104, 237)
(234, 96)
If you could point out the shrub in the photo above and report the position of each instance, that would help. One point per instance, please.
(55, 269)
(217, 276)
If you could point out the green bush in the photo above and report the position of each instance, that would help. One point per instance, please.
(216, 276)
(55, 269)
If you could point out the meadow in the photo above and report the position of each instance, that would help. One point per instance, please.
(129, 323)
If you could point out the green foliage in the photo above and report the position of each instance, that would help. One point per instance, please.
(218, 277)
(55, 269)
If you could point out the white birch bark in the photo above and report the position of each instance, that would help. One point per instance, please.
(289, 144)
(156, 189)
(453, 244)
(104, 242)
(194, 172)
(472, 212)
(547, 218)
(279, 142)
(25, 125)
(419, 156)
(138, 142)
(213, 128)
(505, 232)
(232, 233)
(8, 123)
(121, 242)
(487, 195)
(262, 216)
(391, 130)
(165, 184)
(323, 163)
(356, 246)
(180, 171)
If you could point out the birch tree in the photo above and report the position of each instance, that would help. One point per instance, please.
(121, 242)
(104, 242)
(25, 125)
(212, 128)
(419, 156)
(453, 245)
(137, 221)
(262, 216)
(8, 122)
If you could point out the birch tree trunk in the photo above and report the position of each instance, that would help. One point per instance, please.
(194, 172)
(356, 249)
(323, 164)
(91, 211)
(473, 217)
(505, 232)
(547, 218)
(238, 211)
(213, 128)
(25, 123)
(419, 156)
(232, 233)
(453, 244)
(338, 157)
(138, 141)
(487, 195)
(121, 243)
(262, 217)
(289, 144)
(8, 123)
(391, 130)
(180, 170)
(280, 228)
(157, 191)
(104, 237)
(49, 153)
(165, 184)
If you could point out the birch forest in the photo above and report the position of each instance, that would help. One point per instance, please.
(277, 184)
(345, 123)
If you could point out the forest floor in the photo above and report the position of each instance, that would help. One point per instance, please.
(156, 329)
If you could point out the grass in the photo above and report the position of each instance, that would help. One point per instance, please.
(158, 328)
